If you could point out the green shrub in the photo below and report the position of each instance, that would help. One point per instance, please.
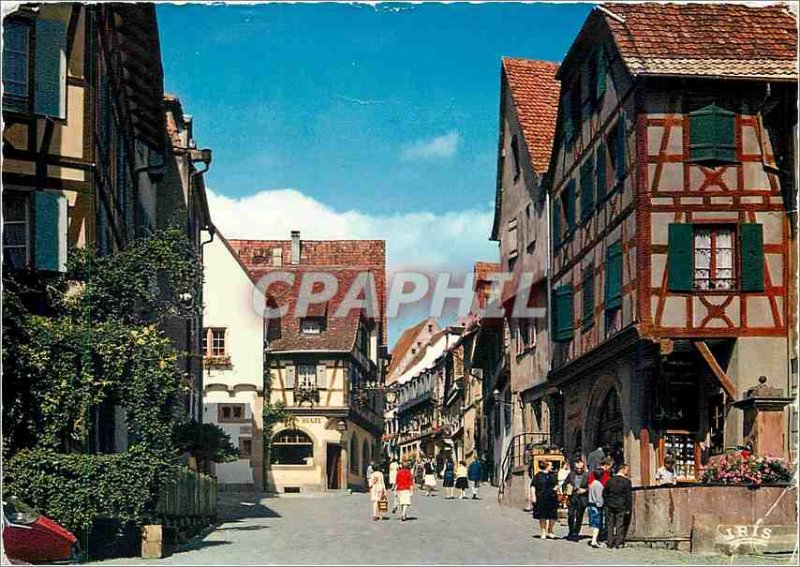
(75, 489)
(205, 441)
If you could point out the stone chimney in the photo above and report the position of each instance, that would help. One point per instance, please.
(295, 247)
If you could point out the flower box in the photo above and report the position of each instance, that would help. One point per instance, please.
(217, 361)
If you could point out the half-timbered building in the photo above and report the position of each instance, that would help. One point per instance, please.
(528, 105)
(672, 173)
(322, 363)
(83, 130)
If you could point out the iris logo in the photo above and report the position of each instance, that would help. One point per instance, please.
(738, 536)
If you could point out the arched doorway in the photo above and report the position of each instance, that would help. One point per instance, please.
(366, 457)
(609, 426)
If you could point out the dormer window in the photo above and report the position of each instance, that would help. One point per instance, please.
(311, 325)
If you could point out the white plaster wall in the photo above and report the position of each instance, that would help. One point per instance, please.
(228, 295)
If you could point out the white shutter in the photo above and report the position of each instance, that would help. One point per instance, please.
(289, 377)
(322, 378)
(512, 237)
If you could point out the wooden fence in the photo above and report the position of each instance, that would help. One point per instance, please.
(188, 494)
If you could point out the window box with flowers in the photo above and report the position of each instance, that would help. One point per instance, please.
(220, 361)
(749, 470)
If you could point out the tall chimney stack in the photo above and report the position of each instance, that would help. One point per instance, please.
(295, 247)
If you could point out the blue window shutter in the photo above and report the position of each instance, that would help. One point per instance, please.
(601, 172)
(752, 242)
(16, 63)
(50, 96)
(48, 241)
(680, 257)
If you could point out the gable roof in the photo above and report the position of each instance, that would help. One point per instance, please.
(712, 40)
(346, 260)
(534, 91)
(427, 357)
(339, 334)
(401, 347)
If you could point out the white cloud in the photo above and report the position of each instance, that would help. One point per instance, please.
(414, 241)
(444, 146)
(420, 241)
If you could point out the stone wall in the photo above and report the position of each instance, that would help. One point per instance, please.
(671, 514)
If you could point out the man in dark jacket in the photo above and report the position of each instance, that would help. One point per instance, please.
(475, 476)
(617, 503)
(577, 484)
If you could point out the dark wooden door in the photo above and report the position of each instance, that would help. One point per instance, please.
(334, 466)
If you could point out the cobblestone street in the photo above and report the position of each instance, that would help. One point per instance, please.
(339, 530)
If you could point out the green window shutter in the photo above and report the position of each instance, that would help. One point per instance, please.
(49, 222)
(588, 297)
(569, 205)
(613, 298)
(680, 260)
(601, 172)
(619, 156)
(602, 71)
(563, 330)
(557, 224)
(50, 98)
(712, 135)
(752, 242)
(566, 114)
(586, 79)
(587, 188)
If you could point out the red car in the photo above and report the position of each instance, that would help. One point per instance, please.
(32, 538)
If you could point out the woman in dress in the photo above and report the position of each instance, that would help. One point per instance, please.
(462, 482)
(545, 502)
(449, 480)
(405, 488)
(377, 492)
(430, 477)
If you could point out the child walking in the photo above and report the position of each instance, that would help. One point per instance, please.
(596, 507)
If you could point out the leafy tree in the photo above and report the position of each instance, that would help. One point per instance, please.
(88, 339)
(205, 441)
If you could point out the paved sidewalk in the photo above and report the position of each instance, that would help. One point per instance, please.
(339, 530)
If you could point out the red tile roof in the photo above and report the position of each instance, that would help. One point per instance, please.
(401, 347)
(344, 259)
(483, 269)
(705, 39)
(339, 334)
(535, 91)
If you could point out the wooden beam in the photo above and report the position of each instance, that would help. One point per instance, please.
(727, 383)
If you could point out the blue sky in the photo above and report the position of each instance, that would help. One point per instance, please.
(384, 116)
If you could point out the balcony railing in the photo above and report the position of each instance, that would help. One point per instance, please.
(310, 395)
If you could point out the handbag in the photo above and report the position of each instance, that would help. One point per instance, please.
(383, 504)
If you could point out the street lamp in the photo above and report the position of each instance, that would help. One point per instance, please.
(341, 425)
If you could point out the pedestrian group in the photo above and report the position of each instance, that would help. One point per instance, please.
(404, 476)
